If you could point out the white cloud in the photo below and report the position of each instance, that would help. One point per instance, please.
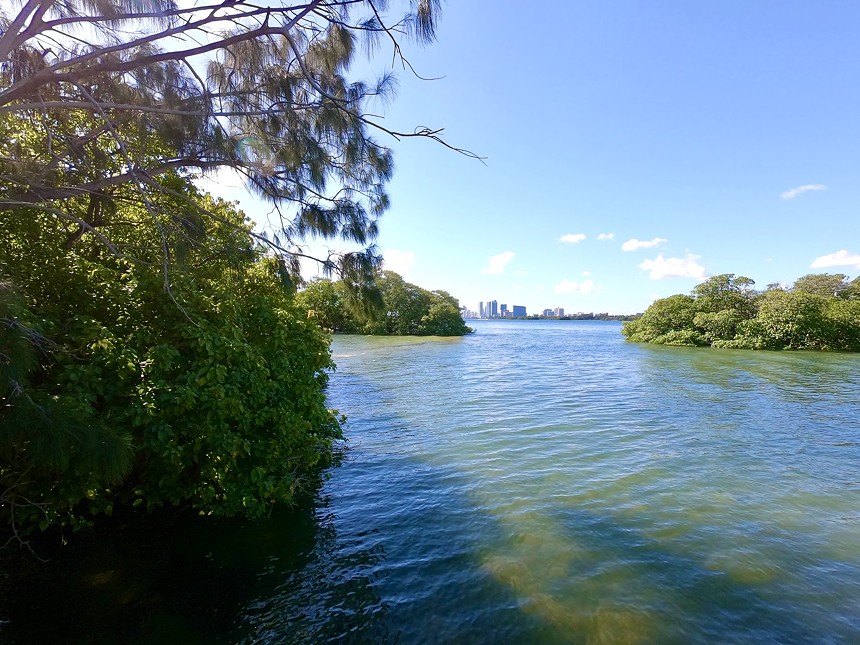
(794, 192)
(839, 259)
(566, 286)
(586, 273)
(398, 261)
(572, 238)
(634, 244)
(603, 237)
(661, 267)
(496, 263)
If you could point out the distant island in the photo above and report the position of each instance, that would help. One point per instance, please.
(819, 311)
(389, 307)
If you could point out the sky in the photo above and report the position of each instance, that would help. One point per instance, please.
(632, 149)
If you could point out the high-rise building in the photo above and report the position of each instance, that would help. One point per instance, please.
(494, 309)
(519, 311)
(481, 310)
(559, 311)
(503, 311)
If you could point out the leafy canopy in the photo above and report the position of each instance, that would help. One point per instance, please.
(98, 99)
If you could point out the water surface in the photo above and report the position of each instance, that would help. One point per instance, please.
(548, 481)
(534, 482)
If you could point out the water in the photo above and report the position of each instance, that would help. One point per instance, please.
(541, 482)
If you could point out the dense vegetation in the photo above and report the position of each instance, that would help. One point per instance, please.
(404, 309)
(117, 392)
(151, 351)
(819, 311)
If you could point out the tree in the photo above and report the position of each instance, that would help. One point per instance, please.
(667, 321)
(791, 320)
(843, 321)
(98, 100)
(717, 326)
(325, 302)
(822, 284)
(114, 396)
(405, 309)
(443, 319)
(405, 304)
(726, 291)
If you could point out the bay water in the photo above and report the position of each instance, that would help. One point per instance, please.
(535, 482)
(546, 481)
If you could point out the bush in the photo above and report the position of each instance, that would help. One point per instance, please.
(120, 393)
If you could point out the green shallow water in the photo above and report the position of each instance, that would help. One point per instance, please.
(547, 481)
(534, 482)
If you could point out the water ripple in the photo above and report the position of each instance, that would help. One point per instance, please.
(547, 482)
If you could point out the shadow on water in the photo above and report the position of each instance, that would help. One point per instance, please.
(164, 578)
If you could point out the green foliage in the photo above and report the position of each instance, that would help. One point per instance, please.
(106, 97)
(822, 284)
(843, 318)
(406, 309)
(726, 291)
(791, 320)
(661, 319)
(443, 319)
(119, 393)
(326, 303)
(819, 312)
(717, 325)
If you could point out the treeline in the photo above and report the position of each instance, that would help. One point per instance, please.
(819, 311)
(395, 307)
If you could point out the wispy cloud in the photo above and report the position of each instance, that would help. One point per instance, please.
(794, 192)
(839, 259)
(398, 261)
(634, 244)
(586, 273)
(604, 237)
(661, 267)
(496, 263)
(572, 238)
(566, 286)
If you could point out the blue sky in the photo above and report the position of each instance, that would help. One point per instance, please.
(704, 138)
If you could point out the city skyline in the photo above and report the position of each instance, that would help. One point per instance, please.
(493, 309)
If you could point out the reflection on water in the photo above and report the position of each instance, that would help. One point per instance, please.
(535, 482)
